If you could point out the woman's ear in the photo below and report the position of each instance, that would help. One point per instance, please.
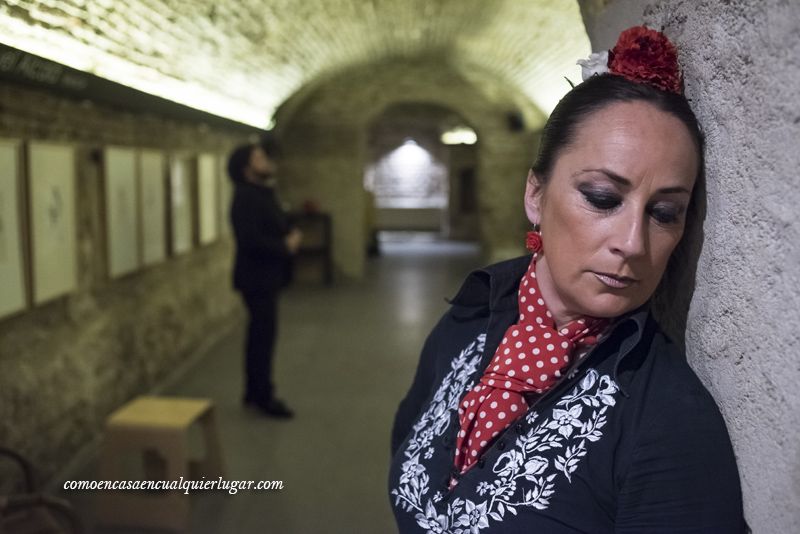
(533, 198)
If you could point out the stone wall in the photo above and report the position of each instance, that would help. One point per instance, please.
(743, 79)
(66, 364)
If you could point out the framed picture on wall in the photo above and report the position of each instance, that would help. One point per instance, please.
(181, 195)
(13, 293)
(53, 220)
(152, 207)
(121, 191)
(225, 196)
(207, 202)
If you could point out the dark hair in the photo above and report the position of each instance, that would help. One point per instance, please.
(269, 144)
(595, 94)
(238, 160)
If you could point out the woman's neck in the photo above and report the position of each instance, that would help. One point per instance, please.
(561, 315)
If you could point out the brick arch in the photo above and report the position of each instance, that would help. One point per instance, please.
(324, 130)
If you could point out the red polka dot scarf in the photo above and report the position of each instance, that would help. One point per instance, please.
(529, 360)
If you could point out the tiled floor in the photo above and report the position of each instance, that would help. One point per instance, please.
(345, 357)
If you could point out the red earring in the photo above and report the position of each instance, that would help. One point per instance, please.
(533, 240)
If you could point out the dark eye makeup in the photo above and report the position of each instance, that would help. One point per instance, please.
(666, 213)
(601, 199)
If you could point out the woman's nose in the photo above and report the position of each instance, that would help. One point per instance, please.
(630, 236)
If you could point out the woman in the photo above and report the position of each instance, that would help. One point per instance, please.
(547, 399)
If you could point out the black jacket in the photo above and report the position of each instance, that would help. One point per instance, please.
(629, 441)
(263, 262)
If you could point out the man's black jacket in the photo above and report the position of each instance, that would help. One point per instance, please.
(263, 262)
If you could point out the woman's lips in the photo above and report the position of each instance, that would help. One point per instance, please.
(613, 281)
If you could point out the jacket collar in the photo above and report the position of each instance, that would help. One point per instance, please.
(494, 289)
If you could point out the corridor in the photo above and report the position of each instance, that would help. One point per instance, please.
(346, 356)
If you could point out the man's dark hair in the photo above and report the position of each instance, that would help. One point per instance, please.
(238, 160)
(269, 144)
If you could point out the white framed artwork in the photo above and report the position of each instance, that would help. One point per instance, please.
(121, 207)
(53, 220)
(152, 207)
(225, 196)
(207, 203)
(181, 176)
(13, 292)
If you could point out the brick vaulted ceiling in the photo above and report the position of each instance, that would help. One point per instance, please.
(242, 58)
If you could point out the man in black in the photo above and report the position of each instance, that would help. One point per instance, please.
(265, 243)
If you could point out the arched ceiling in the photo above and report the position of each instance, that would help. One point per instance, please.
(355, 97)
(242, 58)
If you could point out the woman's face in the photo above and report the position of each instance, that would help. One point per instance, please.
(613, 210)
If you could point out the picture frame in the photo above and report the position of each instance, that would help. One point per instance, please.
(121, 193)
(225, 196)
(207, 198)
(181, 203)
(53, 220)
(152, 207)
(14, 288)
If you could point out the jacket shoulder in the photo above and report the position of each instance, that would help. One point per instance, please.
(681, 458)
(676, 375)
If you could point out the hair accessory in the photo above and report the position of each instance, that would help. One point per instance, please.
(533, 240)
(641, 55)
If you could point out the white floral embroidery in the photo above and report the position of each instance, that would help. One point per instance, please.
(414, 480)
(527, 472)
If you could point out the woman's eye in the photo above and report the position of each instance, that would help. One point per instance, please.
(666, 214)
(601, 201)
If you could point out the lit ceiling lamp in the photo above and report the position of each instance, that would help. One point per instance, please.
(459, 135)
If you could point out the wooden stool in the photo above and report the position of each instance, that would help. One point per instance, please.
(156, 427)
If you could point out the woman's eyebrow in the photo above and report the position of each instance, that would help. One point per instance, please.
(624, 182)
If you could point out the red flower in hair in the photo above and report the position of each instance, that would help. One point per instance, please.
(646, 56)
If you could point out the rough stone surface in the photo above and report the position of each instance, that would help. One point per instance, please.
(247, 57)
(66, 364)
(743, 79)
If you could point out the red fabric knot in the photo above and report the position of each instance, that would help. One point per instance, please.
(530, 359)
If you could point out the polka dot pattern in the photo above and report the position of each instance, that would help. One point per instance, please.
(543, 353)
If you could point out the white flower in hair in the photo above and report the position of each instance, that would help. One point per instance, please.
(596, 63)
